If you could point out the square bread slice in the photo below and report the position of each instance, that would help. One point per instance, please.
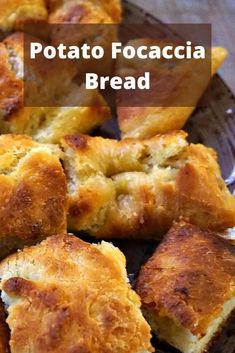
(45, 124)
(187, 288)
(33, 192)
(137, 188)
(65, 296)
(176, 82)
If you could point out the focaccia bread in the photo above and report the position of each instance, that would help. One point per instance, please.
(44, 124)
(33, 193)
(136, 188)
(187, 288)
(65, 295)
(97, 14)
(15, 13)
(85, 11)
(179, 81)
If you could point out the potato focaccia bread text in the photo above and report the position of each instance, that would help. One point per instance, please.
(65, 295)
(33, 193)
(14, 14)
(182, 81)
(136, 188)
(187, 288)
(44, 124)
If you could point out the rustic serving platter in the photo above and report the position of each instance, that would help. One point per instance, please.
(213, 124)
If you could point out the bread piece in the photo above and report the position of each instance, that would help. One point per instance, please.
(188, 287)
(85, 11)
(179, 81)
(4, 332)
(65, 295)
(101, 12)
(44, 124)
(15, 13)
(134, 188)
(33, 200)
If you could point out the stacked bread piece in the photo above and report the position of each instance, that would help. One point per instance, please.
(178, 86)
(137, 188)
(64, 295)
(187, 288)
(50, 123)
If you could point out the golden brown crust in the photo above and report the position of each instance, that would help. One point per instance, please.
(83, 11)
(134, 188)
(11, 86)
(189, 278)
(44, 124)
(113, 8)
(173, 84)
(14, 13)
(65, 295)
(33, 200)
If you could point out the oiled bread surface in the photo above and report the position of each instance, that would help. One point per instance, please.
(189, 277)
(33, 192)
(65, 295)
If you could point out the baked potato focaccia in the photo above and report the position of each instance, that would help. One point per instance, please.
(137, 188)
(187, 288)
(176, 82)
(44, 124)
(65, 295)
(14, 14)
(85, 11)
(33, 198)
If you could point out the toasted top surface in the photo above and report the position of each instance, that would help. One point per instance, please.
(65, 295)
(11, 72)
(189, 277)
(14, 147)
(135, 188)
(11, 66)
(33, 199)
